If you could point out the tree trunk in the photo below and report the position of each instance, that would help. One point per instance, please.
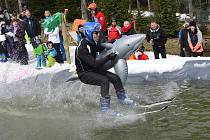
(138, 5)
(149, 7)
(84, 10)
(20, 5)
(6, 5)
(130, 6)
(190, 8)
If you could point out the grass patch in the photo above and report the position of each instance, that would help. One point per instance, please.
(172, 47)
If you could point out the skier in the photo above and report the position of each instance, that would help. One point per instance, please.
(90, 70)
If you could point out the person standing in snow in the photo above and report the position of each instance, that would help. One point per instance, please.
(90, 70)
(21, 49)
(40, 52)
(195, 40)
(33, 28)
(14, 56)
(114, 31)
(157, 38)
(54, 37)
(50, 54)
(3, 53)
(185, 50)
(98, 16)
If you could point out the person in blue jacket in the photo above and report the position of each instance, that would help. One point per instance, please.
(50, 54)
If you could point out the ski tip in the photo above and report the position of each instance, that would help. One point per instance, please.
(164, 108)
(171, 99)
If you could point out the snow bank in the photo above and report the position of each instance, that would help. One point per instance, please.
(11, 72)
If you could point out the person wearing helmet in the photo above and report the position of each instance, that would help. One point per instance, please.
(98, 16)
(114, 31)
(90, 70)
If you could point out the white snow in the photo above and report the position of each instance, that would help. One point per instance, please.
(11, 72)
(172, 63)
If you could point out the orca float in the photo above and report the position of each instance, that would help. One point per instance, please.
(124, 47)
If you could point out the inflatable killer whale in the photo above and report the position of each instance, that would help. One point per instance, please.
(124, 47)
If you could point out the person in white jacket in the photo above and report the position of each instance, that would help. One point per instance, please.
(54, 37)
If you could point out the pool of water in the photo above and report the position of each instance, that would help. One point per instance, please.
(70, 111)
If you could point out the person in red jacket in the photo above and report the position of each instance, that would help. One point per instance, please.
(98, 16)
(114, 31)
(141, 54)
(128, 29)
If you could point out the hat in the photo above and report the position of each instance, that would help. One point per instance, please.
(92, 6)
(142, 49)
(113, 19)
(192, 23)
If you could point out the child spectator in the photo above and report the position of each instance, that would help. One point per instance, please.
(40, 52)
(114, 32)
(80, 34)
(51, 54)
(141, 55)
(54, 37)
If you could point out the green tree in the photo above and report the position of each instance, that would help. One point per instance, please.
(116, 8)
(165, 12)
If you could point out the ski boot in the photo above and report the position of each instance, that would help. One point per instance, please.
(105, 104)
(123, 98)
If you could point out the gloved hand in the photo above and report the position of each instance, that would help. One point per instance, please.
(112, 56)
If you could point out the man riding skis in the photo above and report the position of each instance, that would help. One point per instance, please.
(90, 70)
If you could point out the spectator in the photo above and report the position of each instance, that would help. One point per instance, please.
(33, 28)
(3, 57)
(54, 37)
(21, 49)
(157, 38)
(193, 40)
(13, 40)
(51, 54)
(127, 28)
(80, 34)
(98, 16)
(40, 52)
(185, 50)
(141, 55)
(47, 15)
(114, 32)
(4, 30)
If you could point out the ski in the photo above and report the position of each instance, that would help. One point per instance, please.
(158, 103)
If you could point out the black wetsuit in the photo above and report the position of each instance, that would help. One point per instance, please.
(90, 70)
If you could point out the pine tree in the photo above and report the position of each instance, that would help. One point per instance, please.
(115, 8)
(166, 16)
